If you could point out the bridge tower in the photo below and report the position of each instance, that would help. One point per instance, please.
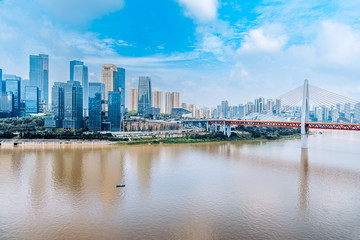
(305, 115)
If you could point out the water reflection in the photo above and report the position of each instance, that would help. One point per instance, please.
(237, 190)
(304, 179)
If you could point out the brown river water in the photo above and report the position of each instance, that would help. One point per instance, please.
(228, 190)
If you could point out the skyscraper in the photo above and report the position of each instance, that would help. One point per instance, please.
(224, 109)
(96, 95)
(12, 86)
(94, 122)
(6, 105)
(121, 77)
(357, 112)
(58, 101)
(259, 104)
(133, 99)
(144, 94)
(176, 96)
(241, 110)
(1, 90)
(110, 78)
(114, 115)
(23, 84)
(172, 100)
(157, 100)
(96, 87)
(72, 65)
(73, 104)
(347, 109)
(278, 105)
(81, 75)
(39, 75)
(31, 100)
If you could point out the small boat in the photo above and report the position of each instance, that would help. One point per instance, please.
(120, 185)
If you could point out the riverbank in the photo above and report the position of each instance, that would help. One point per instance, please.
(203, 138)
(68, 138)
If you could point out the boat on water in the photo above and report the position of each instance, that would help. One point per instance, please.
(120, 186)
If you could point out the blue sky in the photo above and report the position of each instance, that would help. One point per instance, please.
(208, 50)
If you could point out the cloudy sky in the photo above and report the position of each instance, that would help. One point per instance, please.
(208, 50)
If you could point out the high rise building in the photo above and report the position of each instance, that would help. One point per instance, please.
(96, 87)
(278, 105)
(114, 116)
(249, 108)
(270, 105)
(72, 66)
(12, 86)
(168, 102)
(208, 113)
(31, 100)
(58, 101)
(94, 122)
(23, 84)
(121, 77)
(357, 112)
(81, 76)
(347, 109)
(224, 109)
(96, 95)
(185, 106)
(176, 99)
(144, 94)
(259, 104)
(6, 105)
(39, 75)
(157, 100)
(192, 109)
(73, 105)
(172, 100)
(241, 110)
(133, 99)
(110, 78)
(1, 90)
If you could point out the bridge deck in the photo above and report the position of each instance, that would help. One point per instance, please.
(309, 125)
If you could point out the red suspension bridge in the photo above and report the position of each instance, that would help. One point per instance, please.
(309, 125)
(330, 111)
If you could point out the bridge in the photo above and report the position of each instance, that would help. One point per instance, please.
(330, 111)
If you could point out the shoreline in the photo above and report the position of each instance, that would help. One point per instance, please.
(142, 141)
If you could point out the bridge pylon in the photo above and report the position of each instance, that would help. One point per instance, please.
(305, 115)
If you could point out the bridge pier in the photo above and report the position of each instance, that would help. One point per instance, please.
(305, 116)
(228, 131)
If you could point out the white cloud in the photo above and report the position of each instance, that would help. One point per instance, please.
(80, 11)
(212, 44)
(202, 10)
(268, 39)
(338, 45)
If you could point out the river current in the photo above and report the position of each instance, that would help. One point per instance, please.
(227, 190)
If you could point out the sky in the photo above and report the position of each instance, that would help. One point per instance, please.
(208, 50)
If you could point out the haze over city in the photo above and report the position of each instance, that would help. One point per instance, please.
(208, 50)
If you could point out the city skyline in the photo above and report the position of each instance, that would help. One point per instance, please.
(240, 49)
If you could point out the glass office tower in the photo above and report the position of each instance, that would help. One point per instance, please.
(144, 94)
(39, 75)
(73, 106)
(114, 114)
(81, 76)
(94, 122)
(72, 65)
(1, 90)
(31, 100)
(12, 86)
(121, 77)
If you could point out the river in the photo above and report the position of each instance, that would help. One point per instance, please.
(227, 190)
